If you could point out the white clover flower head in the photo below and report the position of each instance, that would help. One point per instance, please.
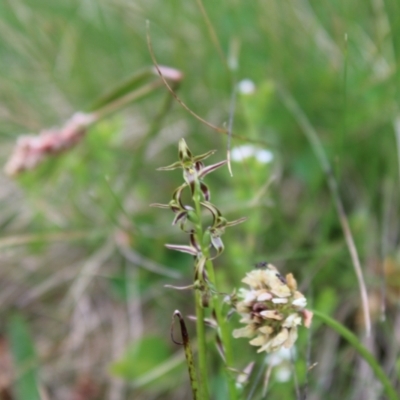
(272, 309)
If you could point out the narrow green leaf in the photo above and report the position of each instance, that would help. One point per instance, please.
(122, 88)
(362, 351)
(24, 356)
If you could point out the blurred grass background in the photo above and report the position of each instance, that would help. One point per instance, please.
(83, 263)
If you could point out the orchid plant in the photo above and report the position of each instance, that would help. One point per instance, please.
(272, 308)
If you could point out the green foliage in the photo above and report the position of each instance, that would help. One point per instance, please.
(24, 357)
(143, 357)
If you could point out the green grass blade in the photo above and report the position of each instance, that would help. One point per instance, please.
(131, 83)
(24, 357)
(363, 351)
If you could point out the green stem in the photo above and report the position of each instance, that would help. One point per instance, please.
(225, 334)
(224, 331)
(201, 348)
(364, 353)
(200, 326)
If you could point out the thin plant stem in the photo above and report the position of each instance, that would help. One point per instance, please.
(364, 353)
(200, 325)
(224, 332)
(168, 86)
(201, 348)
(234, 63)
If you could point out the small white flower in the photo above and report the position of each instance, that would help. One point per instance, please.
(264, 156)
(280, 360)
(283, 373)
(246, 86)
(279, 357)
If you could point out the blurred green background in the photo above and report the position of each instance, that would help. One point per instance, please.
(85, 314)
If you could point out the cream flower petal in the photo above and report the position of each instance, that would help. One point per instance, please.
(300, 302)
(266, 330)
(292, 320)
(298, 295)
(247, 319)
(250, 296)
(276, 342)
(242, 308)
(280, 290)
(278, 300)
(242, 293)
(259, 340)
(264, 296)
(280, 338)
(291, 282)
(255, 278)
(273, 314)
(247, 331)
(291, 339)
(266, 348)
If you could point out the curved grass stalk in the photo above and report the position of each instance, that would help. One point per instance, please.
(362, 351)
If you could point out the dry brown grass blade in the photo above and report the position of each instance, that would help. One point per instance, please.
(89, 269)
(209, 124)
(19, 240)
(202, 120)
